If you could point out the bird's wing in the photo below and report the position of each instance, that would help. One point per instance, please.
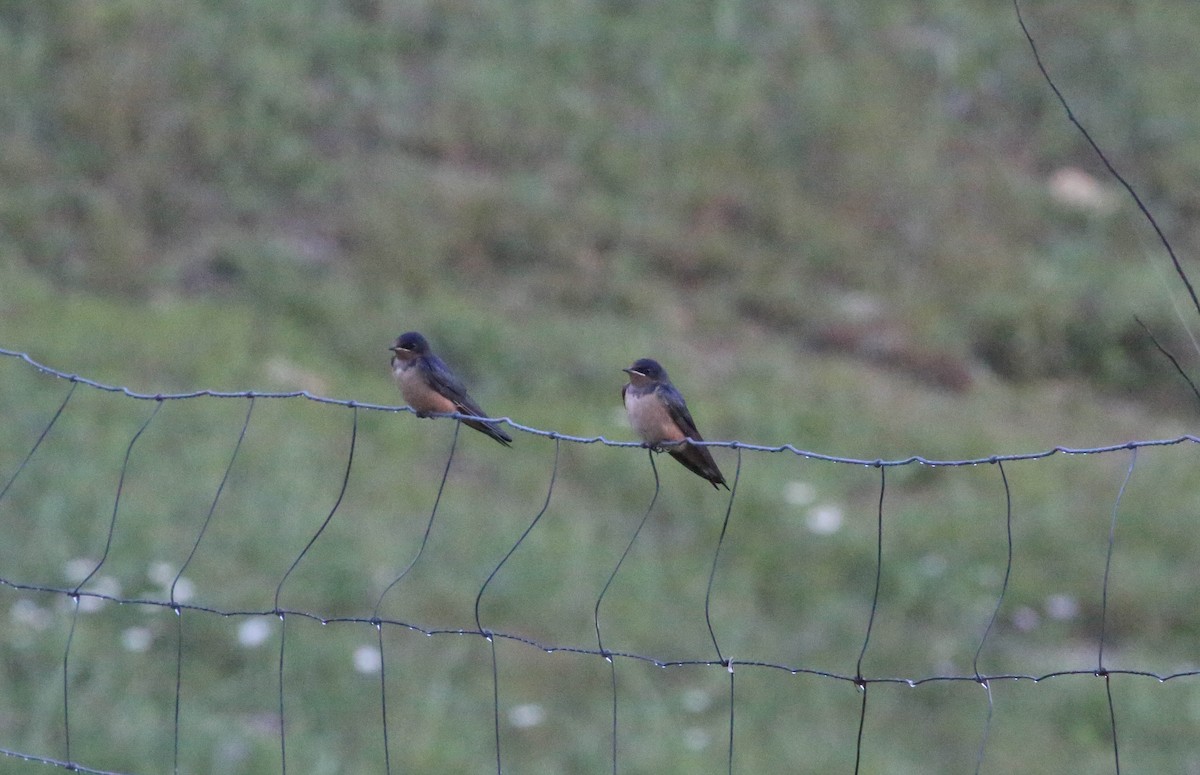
(445, 382)
(678, 410)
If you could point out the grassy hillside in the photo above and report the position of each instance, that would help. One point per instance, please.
(863, 229)
(841, 174)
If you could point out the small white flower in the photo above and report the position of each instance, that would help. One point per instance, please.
(367, 660)
(161, 573)
(1061, 607)
(825, 519)
(77, 569)
(107, 586)
(28, 614)
(254, 632)
(137, 639)
(799, 493)
(525, 716)
(185, 590)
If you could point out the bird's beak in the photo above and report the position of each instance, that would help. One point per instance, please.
(629, 371)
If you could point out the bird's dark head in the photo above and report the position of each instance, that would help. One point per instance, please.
(410, 345)
(645, 371)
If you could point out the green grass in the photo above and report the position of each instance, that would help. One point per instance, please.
(722, 163)
(832, 225)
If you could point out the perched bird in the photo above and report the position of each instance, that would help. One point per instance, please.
(429, 386)
(659, 414)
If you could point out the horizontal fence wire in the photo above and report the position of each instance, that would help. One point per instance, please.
(556, 435)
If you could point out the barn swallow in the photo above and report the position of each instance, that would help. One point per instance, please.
(429, 386)
(659, 414)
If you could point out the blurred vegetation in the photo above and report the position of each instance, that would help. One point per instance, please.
(858, 176)
(865, 229)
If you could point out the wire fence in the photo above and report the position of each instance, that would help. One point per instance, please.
(734, 663)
